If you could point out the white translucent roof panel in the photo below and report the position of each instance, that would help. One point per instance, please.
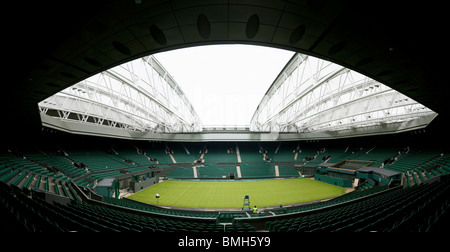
(139, 96)
(312, 95)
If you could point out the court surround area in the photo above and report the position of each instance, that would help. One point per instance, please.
(230, 194)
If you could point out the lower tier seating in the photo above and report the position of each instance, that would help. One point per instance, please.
(410, 209)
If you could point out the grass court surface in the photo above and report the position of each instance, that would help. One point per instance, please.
(230, 194)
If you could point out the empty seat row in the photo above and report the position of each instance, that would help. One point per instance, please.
(378, 213)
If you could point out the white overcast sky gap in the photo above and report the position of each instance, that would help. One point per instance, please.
(225, 83)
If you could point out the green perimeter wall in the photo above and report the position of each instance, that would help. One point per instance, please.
(333, 180)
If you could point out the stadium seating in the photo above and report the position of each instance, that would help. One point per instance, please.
(215, 171)
(417, 205)
(221, 153)
(257, 170)
(184, 153)
(280, 152)
(249, 152)
(156, 151)
(181, 173)
(376, 213)
(287, 171)
(131, 155)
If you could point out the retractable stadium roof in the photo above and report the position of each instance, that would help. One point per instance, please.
(325, 100)
(127, 101)
(310, 99)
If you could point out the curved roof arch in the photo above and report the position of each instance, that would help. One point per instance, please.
(314, 96)
(139, 95)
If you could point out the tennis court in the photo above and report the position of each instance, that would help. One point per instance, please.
(230, 194)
